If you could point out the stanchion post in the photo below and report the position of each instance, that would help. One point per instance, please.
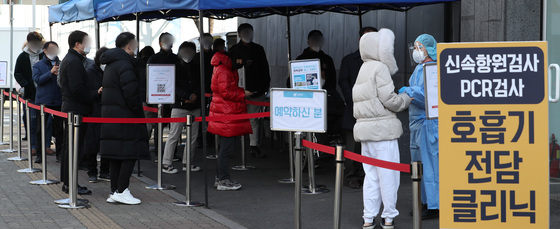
(160, 186)
(73, 143)
(188, 202)
(44, 155)
(19, 157)
(243, 166)
(291, 154)
(70, 148)
(313, 188)
(11, 149)
(2, 117)
(339, 154)
(298, 150)
(416, 169)
(29, 168)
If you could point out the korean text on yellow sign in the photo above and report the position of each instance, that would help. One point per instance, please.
(493, 128)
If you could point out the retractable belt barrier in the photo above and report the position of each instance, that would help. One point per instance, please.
(359, 158)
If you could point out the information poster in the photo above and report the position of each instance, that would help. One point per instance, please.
(298, 110)
(305, 74)
(493, 129)
(431, 90)
(4, 74)
(161, 84)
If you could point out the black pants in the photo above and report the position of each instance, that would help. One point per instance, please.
(57, 131)
(227, 147)
(121, 170)
(64, 154)
(353, 170)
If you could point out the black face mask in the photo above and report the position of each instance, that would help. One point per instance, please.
(237, 66)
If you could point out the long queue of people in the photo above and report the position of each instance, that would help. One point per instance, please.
(113, 85)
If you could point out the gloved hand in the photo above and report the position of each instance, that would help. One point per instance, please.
(402, 90)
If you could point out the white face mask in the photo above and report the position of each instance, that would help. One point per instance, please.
(418, 56)
(166, 46)
(87, 48)
(51, 56)
(316, 48)
(102, 67)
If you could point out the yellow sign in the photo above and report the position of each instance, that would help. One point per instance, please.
(493, 129)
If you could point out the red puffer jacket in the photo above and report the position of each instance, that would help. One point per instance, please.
(228, 99)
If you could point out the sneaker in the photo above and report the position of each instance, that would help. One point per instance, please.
(212, 157)
(372, 226)
(228, 185)
(125, 197)
(194, 168)
(216, 182)
(104, 177)
(169, 169)
(93, 179)
(392, 226)
(110, 199)
(176, 158)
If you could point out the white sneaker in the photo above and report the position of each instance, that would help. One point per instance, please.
(125, 197)
(194, 168)
(110, 199)
(169, 169)
(228, 185)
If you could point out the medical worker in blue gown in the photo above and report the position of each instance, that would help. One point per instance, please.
(423, 132)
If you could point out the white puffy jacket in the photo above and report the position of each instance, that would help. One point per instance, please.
(375, 101)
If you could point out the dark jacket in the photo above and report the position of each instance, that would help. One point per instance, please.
(48, 92)
(121, 99)
(229, 99)
(349, 69)
(93, 132)
(23, 73)
(208, 69)
(77, 96)
(335, 104)
(257, 73)
(187, 82)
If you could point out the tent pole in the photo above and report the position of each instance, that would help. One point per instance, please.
(289, 37)
(138, 32)
(50, 31)
(34, 2)
(360, 17)
(11, 46)
(203, 110)
(97, 36)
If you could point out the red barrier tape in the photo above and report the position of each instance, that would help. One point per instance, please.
(150, 109)
(31, 105)
(56, 113)
(359, 158)
(132, 120)
(21, 100)
(6, 93)
(234, 117)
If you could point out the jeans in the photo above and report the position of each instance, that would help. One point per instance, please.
(175, 130)
(227, 146)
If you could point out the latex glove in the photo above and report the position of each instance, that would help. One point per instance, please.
(402, 90)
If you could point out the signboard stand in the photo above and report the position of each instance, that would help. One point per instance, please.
(305, 74)
(160, 90)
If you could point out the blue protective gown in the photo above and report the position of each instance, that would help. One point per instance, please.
(424, 139)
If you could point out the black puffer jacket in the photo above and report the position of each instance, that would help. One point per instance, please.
(121, 98)
(77, 97)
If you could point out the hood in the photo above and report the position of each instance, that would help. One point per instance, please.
(113, 55)
(221, 58)
(32, 54)
(379, 46)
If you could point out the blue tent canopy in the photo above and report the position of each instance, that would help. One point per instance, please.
(107, 10)
(71, 11)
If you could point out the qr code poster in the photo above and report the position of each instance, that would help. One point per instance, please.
(161, 84)
(493, 135)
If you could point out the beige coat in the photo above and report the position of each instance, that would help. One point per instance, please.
(375, 102)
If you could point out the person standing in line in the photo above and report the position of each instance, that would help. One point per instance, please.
(77, 97)
(188, 98)
(23, 74)
(122, 144)
(95, 80)
(349, 68)
(252, 57)
(377, 126)
(229, 99)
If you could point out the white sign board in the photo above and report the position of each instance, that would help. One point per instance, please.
(160, 84)
(431, 90)
(4, 74)
(305, 74)
(298, 110)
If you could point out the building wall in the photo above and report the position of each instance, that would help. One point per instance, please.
(500, 20)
